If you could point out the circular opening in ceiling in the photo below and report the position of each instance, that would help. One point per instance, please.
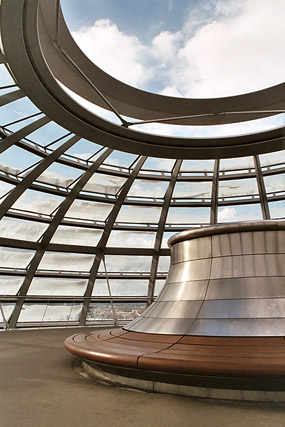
(183, 48)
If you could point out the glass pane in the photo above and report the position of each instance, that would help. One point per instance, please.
(238, 187)
(272, 158)
(124, 287)
(66, 261)
(159, 284)
(56, 143)
(166, 237)
(47, 133)
(274, 183)
(197, 190)
(100, 288)
(277, 209)
(10, 285)
(89, 210)
(131, 239)
(198, 165)
(239, 213)
(57, 286)
(8, 309)
(148, 189)
(59, 175)
(139, 214)
(163, 264)
(32, 312)
(159, 164)
(15, 160)
(17, 110)
(4, 188)
(99, 311)
(83, 149)
(118, 158)
(62, 312)
(191, 215)
(51, 312)
(129, 310)
(14, 228)
(106, 184)
(126, 263)
(237, 163)
(76, 236)
(24, 122)
(15, 258)
(37, 201)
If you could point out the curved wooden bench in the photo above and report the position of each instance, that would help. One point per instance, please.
(190, 355)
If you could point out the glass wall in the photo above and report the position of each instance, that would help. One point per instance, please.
(76, 240)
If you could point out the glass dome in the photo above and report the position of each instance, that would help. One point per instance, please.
(87, 206)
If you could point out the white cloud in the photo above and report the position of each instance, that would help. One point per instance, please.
(227, 215)
(131, 239)
(171, 91)
(165, 45)
(225, 47)
(237, 54)
(113, 51)
(239, 213)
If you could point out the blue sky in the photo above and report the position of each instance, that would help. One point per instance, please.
(141, 18)
(186, 48)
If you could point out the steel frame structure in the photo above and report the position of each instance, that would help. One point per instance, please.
(41, 54)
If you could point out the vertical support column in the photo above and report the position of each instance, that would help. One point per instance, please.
(215, 193)
(105, 236)
(160, 229)
(261, 189)
(48, 234)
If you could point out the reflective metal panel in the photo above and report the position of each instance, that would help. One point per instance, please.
(174, 309)
(248, 266)
(257, 242)
(191, 250)
(249, 287)
(160, 326)
(228, 283)
(238, 327)
(189, 270)
(194, 290)
(243, 308)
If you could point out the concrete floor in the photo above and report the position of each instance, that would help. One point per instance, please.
(40, 388)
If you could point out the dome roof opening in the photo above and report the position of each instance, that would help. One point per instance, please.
(87, 205)
(183, 48)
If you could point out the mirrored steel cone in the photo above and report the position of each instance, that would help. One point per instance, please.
(224, 280)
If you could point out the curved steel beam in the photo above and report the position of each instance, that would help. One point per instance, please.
(33, 50)
(48, 234)
(34, 174)
(160, 230)
(105, 236)
(12, 139)
(134, 102)
(12, 96)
